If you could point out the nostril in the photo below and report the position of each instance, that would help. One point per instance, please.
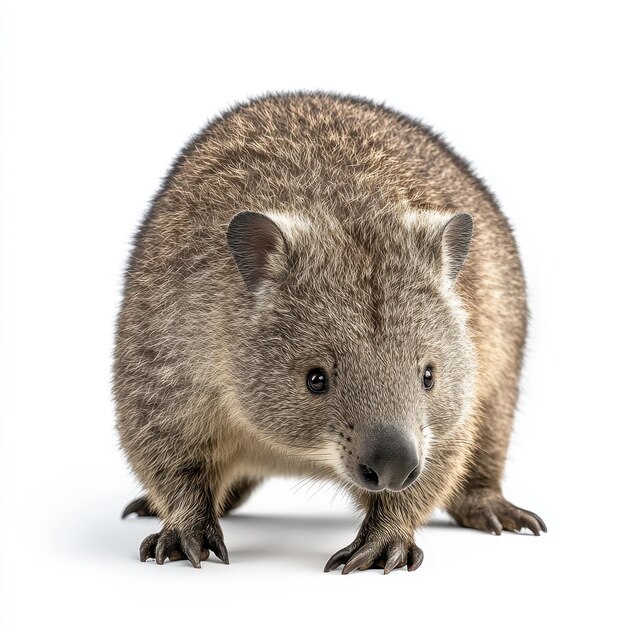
(411, 477)
(369, 475)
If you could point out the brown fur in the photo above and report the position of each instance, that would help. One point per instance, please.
(210, 375)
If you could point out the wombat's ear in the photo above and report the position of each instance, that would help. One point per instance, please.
(253, 240)
(457, 235)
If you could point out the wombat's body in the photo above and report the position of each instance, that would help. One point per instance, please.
(295, 304)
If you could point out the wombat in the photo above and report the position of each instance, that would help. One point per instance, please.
(321, 287)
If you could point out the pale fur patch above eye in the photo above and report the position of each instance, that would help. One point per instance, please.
(409, 219)
(290, 225)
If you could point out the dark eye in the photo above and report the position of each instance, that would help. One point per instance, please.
(429, 379)
(317, 381)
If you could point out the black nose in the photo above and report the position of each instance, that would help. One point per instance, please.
(387, 459)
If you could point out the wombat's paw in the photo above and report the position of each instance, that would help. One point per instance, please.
(489, 511)
(141, 506)
(177, 545)
(388, 553)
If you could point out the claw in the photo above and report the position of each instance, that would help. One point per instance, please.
(167, 545)
(415, 558)
(493, 523)
(146, 549)
(140, 506)
(191, 548)
(526, 520)
(541, 523)
(217, 545)
(395, 556)
(339, 558)
(159, 553)
(361, 559)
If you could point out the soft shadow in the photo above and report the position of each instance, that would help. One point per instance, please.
(442, 523)
(291, 537)
(249, 537)
(284, 522)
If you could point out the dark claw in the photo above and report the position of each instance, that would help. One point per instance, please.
(541, 523)
(217, 545)
(528, 521)
(140, 506)
(166, 544)
(493, 523)
(146, 550)
(363, 558)
(415, 558)
(191, 547)
(515, 519)
(339, 558)
(395, 556)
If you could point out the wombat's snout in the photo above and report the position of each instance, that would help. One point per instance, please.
(387, 459)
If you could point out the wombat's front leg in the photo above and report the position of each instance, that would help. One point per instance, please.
(182, 498)
(385, 539)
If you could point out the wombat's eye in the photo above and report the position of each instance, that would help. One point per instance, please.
(317, 381)
(429, 379)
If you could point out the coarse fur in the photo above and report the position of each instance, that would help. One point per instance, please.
(311, 230)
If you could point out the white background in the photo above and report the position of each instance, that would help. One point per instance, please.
(98, 97)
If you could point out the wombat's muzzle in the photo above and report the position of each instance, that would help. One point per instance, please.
(387, 459)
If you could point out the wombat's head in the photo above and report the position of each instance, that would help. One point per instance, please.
(352, 347)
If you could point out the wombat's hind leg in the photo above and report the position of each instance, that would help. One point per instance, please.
(237, 494)
(488, 510)
(140, 506)
(481, 504)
